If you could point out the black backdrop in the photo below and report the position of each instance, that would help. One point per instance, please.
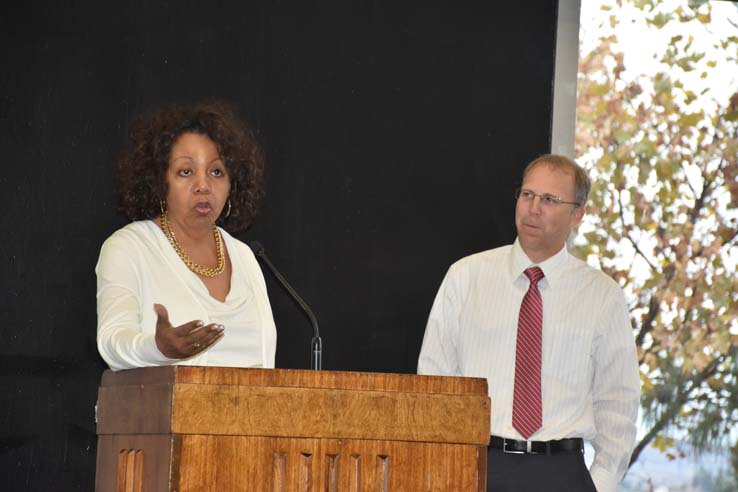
(395, 136)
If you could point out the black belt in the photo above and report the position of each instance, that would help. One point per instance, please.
(570, 445)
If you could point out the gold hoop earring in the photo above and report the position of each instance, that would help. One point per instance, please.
(228, 212)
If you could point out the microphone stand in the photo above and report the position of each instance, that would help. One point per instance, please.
(316, 344)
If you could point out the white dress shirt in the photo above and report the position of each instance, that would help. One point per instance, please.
(590, 378)
(138, 267)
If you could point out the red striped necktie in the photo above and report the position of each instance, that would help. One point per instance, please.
(527, 405)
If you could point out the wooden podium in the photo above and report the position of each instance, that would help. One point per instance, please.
(187, 429)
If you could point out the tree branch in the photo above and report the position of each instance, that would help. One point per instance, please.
(674, 407)
(706, 191)
(686, 179)
(626, 228)
(654, 306)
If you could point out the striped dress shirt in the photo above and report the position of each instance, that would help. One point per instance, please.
(589, 374)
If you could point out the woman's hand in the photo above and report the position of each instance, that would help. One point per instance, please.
(186, 340)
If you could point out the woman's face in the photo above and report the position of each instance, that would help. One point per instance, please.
(197, 179)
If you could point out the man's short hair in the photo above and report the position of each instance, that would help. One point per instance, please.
(582, 183)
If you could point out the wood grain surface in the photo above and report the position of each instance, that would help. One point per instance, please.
(189, 429)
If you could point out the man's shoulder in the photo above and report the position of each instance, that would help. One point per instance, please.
(591, 275)
(489, 258)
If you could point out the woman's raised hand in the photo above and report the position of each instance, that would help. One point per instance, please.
(185, 340)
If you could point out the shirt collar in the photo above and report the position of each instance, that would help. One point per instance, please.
(552, 267)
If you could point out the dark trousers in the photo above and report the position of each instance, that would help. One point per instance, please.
(560, 472)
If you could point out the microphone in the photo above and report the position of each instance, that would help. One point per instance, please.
(316, 344)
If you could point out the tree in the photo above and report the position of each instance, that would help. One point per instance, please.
(663, 156)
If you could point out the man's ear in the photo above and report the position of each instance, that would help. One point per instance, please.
(578, 215)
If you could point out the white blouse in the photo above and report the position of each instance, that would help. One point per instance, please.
(138, 268)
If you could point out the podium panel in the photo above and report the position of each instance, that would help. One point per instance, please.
(192, 429)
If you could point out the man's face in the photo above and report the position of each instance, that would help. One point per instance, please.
(543, 228)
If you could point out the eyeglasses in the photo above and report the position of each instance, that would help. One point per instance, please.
(546, 199)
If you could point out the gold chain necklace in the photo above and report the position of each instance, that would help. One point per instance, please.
(198, 269)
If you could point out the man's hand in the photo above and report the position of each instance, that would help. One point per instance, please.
(186, 340)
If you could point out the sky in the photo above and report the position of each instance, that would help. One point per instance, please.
(643, 46)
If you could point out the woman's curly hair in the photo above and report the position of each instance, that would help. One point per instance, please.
(142, 168)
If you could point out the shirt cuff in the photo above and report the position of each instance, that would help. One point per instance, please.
(150, 352)
(604, 481)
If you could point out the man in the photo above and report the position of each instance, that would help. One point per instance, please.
(553, 338)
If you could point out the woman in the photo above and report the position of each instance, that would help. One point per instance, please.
(172, 286)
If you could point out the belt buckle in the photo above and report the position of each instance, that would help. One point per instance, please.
(513, 451)
(530, 448)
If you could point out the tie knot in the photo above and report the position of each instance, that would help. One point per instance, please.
(535, 274)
